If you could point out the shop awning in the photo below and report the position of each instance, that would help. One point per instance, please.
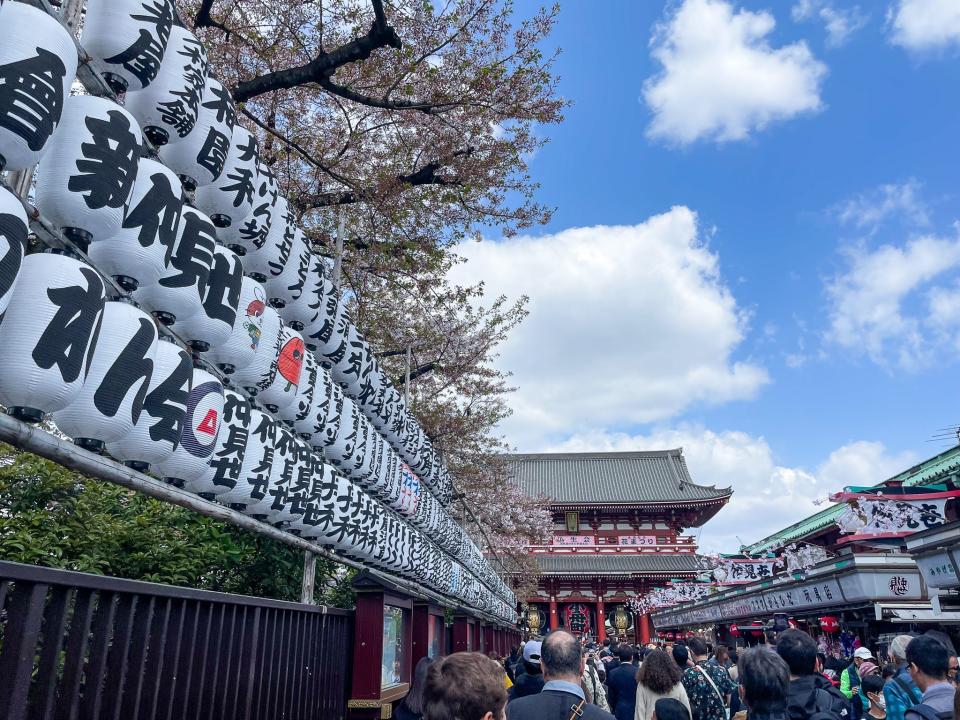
(922, 613)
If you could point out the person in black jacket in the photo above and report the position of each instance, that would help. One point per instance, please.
(412, 706)
(530, 681)
(562, 697)
(810, 694)
(622, 685)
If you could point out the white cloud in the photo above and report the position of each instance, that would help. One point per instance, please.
(870, 303)
(767, 497)
(840, 23)
(721, 79)
(627, 324)
(925, 25)
(867, 211)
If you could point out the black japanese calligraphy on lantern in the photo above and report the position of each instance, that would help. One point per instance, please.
(213, 154)
(259, 477)
(167, 403)
(222, 295)
(157, 214)
(222, 105)
(142, 58)
(131, 365)
(73, 329)
(277, 264)
(14, 233)
(193, 255)
(109, 163)
(31, 97)
(255, 230)
(180, 113)
(228, 460)
(242, 187)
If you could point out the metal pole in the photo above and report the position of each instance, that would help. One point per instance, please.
(338, 256)
(309, 577)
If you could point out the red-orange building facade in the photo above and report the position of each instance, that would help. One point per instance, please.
(619, 531)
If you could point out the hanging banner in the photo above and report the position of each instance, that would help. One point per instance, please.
(568, 540)
(638, 540)
(883, 517)
(734, 571)
(577, 617)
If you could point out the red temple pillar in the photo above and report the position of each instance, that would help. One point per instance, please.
(601, 622)
(644, 628)
(554, 619)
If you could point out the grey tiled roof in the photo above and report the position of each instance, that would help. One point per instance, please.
(659, 476)
(616, 563)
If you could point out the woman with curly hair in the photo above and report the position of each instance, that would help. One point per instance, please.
(658, 677)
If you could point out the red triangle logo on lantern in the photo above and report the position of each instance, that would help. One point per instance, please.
(209, 424)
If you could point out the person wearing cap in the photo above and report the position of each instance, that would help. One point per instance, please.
(530, 681)
(850, 677)
(901, 692)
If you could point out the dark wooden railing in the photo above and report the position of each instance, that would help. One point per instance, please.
(75, 646)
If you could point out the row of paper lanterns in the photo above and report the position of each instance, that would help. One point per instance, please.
(130, 213)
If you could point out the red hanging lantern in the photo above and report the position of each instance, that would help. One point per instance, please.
(690, 634)
(734, 631)
(668, 635)
(830, 624)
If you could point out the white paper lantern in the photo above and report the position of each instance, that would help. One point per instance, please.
(303, 308)
(87, 174)
(229, 198)
(201, 427)
(140, 252)
(200, 157)
(167, 108)
(48, 334)
(223, 471)
(250, 234)
(249, 494)
(259, 372)
(179, 291)
(127, 39)
(297, 413)
(111, 400)
(323, 422)
(323, 520)
(264, 259)
(38, 62)
(240, 348)
(292, 466)
(13, 244)
(364, 453)
(340, 451)
(329, 331)
(288, 272)
(285, 372)
(213, 324)
(157, 432)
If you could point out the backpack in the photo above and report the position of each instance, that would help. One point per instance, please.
(928, 713)
(828, 706)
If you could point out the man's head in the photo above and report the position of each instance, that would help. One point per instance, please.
(872, 687)
(898, 649)
(698, 648)
(861, 654)
(928, 661)
(680, 655)
(799, 651)
(531, 657)
(952, 672)
(625, 653)
(467, 686)
(560, 657)
(764, 681)
(670, 709)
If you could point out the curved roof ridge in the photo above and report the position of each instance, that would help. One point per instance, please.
(626, 454)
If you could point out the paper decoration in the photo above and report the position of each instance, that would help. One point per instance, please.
(229, 198)
(156, 434)
(223, 472)
(167, 108)
(284, 375)
(179, 291)
(38, 61)
(200, 157)
(259, 372)
(298, 411)
(141, 250)
(212, 325)
(111, 400)
(48, 334)
(127, 39)
(249, 494)
(201, 427)
(87, 173)
(13, 244)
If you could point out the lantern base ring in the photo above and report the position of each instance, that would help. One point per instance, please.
(220, 220)
(79, 237)
(137, 465)
(164, 318)
(278, 303)
(226, 368)
(156, 135)
(207, 496)
(91, 444)
(3, 163)
(176, 482)
(116, 83)
(199, 345)
(238, 249)
(296, 325)
(259, 277)
(237, 506)
(25, 414)
(127, 283)
(189, 184)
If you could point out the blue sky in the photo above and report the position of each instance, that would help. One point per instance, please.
(799, 277)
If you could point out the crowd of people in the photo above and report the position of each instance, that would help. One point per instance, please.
(560, 678)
